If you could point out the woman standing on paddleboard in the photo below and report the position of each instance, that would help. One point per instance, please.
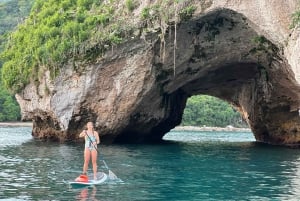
(90, 149)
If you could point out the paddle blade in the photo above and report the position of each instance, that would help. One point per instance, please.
(112, 175)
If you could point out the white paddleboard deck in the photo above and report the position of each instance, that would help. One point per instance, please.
(101, 178)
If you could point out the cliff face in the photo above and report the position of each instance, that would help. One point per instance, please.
(240, 51)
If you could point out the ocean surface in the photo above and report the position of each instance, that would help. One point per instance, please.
(188, 166)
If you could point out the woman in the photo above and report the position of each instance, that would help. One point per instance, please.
(91, 140)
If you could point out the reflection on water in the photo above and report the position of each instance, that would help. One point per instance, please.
(190, 166)
(87, 194)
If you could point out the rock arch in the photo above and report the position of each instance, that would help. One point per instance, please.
(136, 95)
(220, 54)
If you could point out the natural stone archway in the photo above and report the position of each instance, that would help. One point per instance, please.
(225, 57)
(137, 94)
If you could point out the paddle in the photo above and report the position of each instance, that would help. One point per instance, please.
(111, 175)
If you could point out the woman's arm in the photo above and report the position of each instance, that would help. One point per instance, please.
(82, 134)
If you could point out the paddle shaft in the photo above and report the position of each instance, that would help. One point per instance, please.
(91, 141)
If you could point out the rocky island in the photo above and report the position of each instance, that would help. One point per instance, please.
(243, 52)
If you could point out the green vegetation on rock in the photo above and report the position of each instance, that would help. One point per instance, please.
(12, 12)
(59, 31)
(295, 19)
(9, 108)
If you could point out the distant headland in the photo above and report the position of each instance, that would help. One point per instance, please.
(207, 128)
(16, 123)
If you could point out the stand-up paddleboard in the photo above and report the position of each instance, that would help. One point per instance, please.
(83, 180)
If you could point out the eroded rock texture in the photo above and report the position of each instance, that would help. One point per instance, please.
(240, 51)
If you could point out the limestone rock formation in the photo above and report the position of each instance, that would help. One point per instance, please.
(240, 51)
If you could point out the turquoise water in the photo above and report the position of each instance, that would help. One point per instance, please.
(189, 166)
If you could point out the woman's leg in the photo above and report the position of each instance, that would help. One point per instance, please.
(94, 161)
(87, 154)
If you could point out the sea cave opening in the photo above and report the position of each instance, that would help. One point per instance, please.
(210, 111)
